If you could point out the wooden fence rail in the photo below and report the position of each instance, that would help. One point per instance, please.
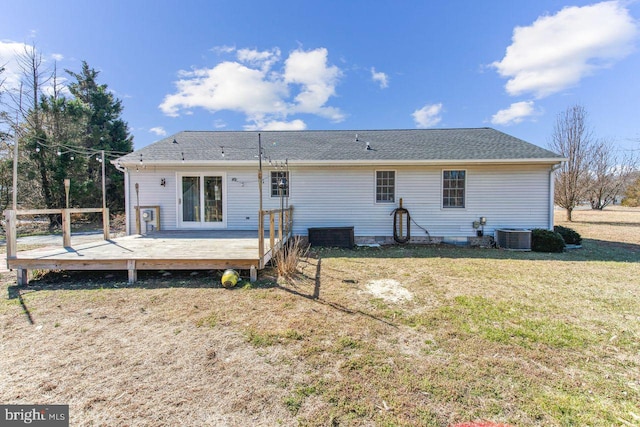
(11, 217)
(283, 229)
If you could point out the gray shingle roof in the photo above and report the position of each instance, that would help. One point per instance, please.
(420, 145)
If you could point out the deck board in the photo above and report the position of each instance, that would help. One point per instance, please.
(173, 250)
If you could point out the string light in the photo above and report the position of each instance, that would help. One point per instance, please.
(61, 148)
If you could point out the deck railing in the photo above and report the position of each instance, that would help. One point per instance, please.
(284, 219)
(11, 217)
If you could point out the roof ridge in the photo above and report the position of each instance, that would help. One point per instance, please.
(341, 130)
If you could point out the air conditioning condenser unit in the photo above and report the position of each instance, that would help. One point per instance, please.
(515, 239)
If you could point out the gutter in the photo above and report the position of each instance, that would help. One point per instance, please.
(362, 162)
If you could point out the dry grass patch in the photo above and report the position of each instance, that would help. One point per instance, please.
(517, 338)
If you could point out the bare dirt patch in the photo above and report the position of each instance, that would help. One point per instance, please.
(389, 290)
(489, 335)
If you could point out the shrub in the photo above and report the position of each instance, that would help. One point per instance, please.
(287, 259)
(570, 236)
(546, 241)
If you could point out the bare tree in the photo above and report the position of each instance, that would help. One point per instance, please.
(573, 140)
(609, 174)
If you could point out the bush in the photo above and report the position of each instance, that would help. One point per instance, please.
(546, 241)
(570, 236)
(287, 259)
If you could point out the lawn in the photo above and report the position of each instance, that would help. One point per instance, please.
(401, 335)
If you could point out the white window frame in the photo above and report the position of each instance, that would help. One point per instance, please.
(288, 189)
(375, 187)
(464, 197)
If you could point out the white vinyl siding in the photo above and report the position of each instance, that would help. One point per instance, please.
(508, 196)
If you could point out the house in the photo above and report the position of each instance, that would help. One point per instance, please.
(447, 179)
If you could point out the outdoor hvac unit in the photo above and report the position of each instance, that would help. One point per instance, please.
(517, 239)
(340, 237)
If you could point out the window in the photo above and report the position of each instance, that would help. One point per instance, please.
(453, 189)
(276, 177)
(385, 186)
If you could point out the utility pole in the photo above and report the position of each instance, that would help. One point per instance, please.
(15, 169)
(104, 194)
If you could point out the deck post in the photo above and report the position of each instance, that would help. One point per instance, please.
(253, 274)
(66, 228)
(10, 216)
(260, 237)
(280, 221)
(133, 273)
(22, 277)
(272, 227)
(105, 223)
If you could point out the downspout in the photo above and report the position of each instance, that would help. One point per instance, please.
(551, 195)
(127, 211)
(125, 171)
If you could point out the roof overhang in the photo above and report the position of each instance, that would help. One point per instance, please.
(324, 163)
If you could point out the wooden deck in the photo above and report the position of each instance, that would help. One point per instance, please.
(175, 250)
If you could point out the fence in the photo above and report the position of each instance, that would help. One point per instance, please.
(11, 217)
(284, 229)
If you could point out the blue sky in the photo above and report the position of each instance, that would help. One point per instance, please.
(251, 65)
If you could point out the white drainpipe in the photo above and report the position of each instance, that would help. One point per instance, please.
(551, 194)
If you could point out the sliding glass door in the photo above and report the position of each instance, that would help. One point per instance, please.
(201, 201)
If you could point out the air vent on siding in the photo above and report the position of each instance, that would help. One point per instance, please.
(517, 239)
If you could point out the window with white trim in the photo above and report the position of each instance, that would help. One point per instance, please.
(385, 186)
(276, 177)
(453, 188)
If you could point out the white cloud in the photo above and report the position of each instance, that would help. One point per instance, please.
(317, 82)
(227, 86)
(263, 59)
(254, 88)
(516, 113)
(296, 124)
(380, 77)
(428, 116)
(57, 56)
(557, 51)
(223, 49)
(158, 130)
(9, 54)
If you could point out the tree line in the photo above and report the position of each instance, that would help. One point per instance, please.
(595, 172)
(61, 126)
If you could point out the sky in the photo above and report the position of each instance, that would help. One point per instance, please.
(345, 64)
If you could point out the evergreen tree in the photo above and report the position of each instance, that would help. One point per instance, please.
(632, 195)
(104, 130)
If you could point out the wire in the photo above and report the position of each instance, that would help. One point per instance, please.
(422, 228)
(109, 154)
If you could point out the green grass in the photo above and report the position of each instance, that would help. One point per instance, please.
(524, 339)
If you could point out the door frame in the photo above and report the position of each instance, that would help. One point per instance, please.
(180, 224)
